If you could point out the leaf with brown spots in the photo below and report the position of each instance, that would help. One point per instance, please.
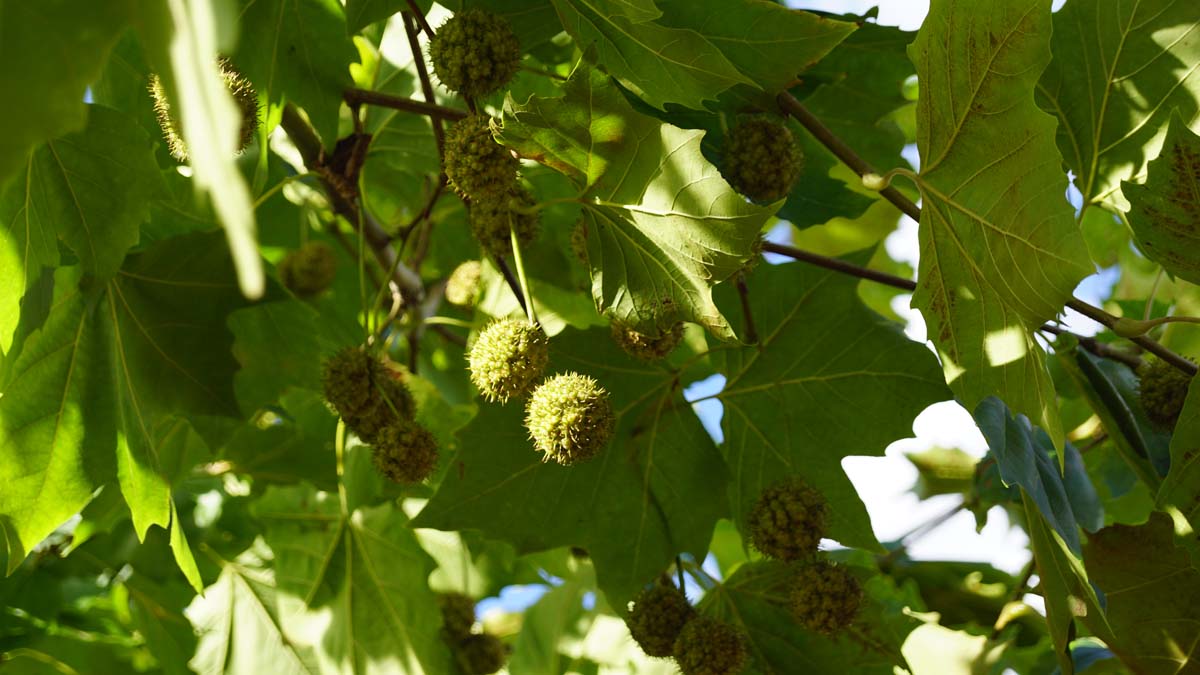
(1165, 211)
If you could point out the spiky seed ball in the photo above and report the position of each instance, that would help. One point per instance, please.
(405, 452)
(788, 520)
(1162, 389)
(243, 95)
(365, 392)
(508, 357)
(458, 615)
(475, 53)
(657, 616)
(491, 218)
(462, 288)
(476, 165)
(309, 269)
(347, 380)
(569, 418)
(825, 598)
(707, 646)
(761, 159)
(480, 654)
(647, 347)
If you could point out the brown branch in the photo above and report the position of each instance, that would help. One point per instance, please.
(414, 42)
(513, 284)
(846, 154)
(843, 152)
(420, 17)
(309, 145)
(747, 315)
(1094, 346)
(359, 96)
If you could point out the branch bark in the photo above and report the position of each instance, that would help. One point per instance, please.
(360, 96)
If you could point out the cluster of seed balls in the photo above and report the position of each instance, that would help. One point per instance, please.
(787, 523)
(568, 415)
(476, 653)
(243, 94)
(665, 624)
(475, 53)
(375, 403)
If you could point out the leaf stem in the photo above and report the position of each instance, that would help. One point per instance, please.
(277, 187)
(516, 248)
(339, 447)
(449, 321)
(747, 314)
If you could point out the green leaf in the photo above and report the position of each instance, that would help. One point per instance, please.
(301, 53)
(661, 64)
(768, 43)
(354, 584)
(755, 598)
(1118, 72)
(1065, 587)
(49, 53)
(362, 13)
(239, 626)
(558, 618)
(654, 492)
(1165, 213)
(97, 388)
(830, 363)
(1181, 488)
(1023, 455)
(181, 39)
(1152, 594)
(1000, 251)
(90, 188)
(662, 225)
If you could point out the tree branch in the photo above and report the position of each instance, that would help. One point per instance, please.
(309, 145)
(359, 96)
(747, 315)
(1094, 346)
(414, 43)
(819, 131)
(420, 16)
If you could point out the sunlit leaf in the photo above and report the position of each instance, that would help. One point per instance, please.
(1165, 213)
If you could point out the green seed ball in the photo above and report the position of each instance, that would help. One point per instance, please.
(761, 159)
(243, 95)
(405, 452)
(492, 217)
(647, 347)
(508, 357)
(825, 598)
(476, 165)
(475, 53)
(458, 615)
(347, 380)
(481, 654)
(788, 520)
(569, 418)
(462, 288)
(707, 646)
(656, 618)
(308, 270)
(390, 402)
(1162, 389)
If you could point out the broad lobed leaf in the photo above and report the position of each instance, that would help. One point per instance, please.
(1000, 251)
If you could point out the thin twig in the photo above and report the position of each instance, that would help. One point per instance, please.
(513, 285)
(414, 42)
(796, 109)
(353, 96)
(1091, 344)
(309, 145)
(420, 16)
(448, 334)
(843, 152)
(747, 315)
